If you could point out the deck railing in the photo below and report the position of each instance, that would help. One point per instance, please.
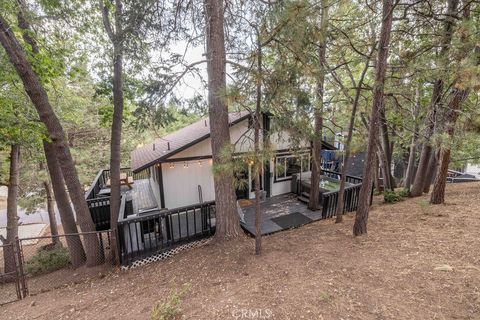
(103, 176)
(100, 205)
(328, 200)
(156, 231)
(337, 175)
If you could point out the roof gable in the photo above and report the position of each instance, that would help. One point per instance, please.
(165, 147)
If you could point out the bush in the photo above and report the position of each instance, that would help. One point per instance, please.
(404, 193)
(169, 309)
(48, 260)
(391, 196)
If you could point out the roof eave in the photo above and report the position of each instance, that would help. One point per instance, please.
(188, 145)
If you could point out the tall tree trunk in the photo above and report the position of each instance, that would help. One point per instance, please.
(227, 224)
(459, 95)
(12, 214)
(361, 218)
(386, 148)
(258, 157)
(74, 243)
(376, 174)
(116, 38)
(318, 113)
(413, 145)
(431, 169)
(438, 193)
(347, 146)
(39, 98)
(75, 246)
(52, 219)
(420, 176)
(384, 167)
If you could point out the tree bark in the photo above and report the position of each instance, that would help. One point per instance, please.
(52, 219)
(459, 95)
(413, 145)
(12, 214)
(348, 142)
(227, 223)
(361, 218)
(318, 113)
(386, 148)
(420, 176)
(39, 98)
(438, 192)
(77, 253)
(376, 175)
(116, 38)
(431, 169)
(258, 157)
(387, 182)
(74, 243)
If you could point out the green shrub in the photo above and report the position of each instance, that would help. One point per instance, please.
(404, 193)
(48, 260)
(390, 196)
(170, 308)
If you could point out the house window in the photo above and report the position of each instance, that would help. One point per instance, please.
(287, 165)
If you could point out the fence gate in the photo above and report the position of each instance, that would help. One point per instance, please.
(12, 278)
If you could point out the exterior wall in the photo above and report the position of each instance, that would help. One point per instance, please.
(154, 184)
(240, 135)
(279, 187)
(181, 183)
(473, 169)
(281, 140)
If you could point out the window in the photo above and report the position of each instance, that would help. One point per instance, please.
(287, 165)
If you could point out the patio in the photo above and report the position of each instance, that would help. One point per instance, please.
(278, 213)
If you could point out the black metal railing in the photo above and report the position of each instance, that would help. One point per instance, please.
(156, 231)
(337, 175)
(328, 200)
(102, 177)
(100, 212)
(100, 205)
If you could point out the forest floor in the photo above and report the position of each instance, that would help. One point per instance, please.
(418, 261)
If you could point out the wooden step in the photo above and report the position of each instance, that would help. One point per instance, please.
(306, 195)
(303, 199)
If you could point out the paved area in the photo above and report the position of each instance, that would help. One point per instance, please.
(27, 230)
(272, 208)
(40, 216)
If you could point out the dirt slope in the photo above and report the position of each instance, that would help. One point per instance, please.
(319, 271)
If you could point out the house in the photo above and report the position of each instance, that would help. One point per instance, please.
(168, 198)
(180, 164)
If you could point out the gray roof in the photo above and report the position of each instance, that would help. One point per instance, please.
(165, 147)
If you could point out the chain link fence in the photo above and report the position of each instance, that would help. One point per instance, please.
(40, 264)
(9, 274)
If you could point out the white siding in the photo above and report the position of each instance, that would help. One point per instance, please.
(473, 169)
(238, 134)
(181, 184)
(281, 140)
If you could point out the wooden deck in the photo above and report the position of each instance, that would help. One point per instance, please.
(275, 207)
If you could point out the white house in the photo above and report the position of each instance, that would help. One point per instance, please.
(180, 163)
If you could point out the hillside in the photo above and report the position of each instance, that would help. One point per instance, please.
(417, 262)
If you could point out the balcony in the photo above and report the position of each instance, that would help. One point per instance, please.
(144, 229)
